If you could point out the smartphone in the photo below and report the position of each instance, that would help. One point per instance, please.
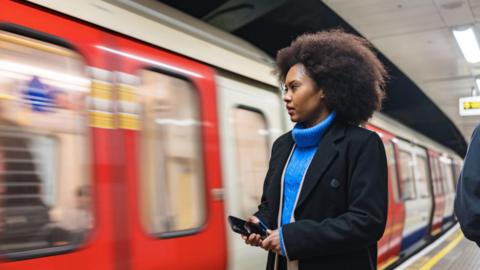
(246, 228)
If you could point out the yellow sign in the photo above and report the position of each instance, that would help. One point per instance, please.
(101, 115)
(101, 119)
(101, 90)
(469, 106)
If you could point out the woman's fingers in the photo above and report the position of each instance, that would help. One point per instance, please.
(254, 219)
(252, 239)
(266, 243)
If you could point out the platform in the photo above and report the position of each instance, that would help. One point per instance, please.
(452, 251)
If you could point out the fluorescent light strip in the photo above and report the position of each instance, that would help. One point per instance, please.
(149, 61)
(468, 43)
(43, 73)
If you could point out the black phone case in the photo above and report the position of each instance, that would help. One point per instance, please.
(245, 228)
(238, 225)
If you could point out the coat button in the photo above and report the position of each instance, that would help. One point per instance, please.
(335, 183)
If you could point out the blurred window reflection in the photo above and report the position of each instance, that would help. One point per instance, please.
(251, 139)
(423, 188)
(45, 199)
(392, 168)
(406, 176)
(447, 172)
(173, 189)
(436, 176)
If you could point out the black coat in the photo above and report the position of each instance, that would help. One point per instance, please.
(467, 202)
(342, 207)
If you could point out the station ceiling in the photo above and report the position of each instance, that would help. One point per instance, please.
(413, 38)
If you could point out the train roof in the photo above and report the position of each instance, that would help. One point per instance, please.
(162, 26)
(403, 132)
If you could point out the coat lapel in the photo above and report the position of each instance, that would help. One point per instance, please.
(281, 158)
(322, 159)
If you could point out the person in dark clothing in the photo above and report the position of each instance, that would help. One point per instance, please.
(467, 201)
(325, 195)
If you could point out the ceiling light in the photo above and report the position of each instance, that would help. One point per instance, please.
(149, 61)
(468, 44)
(477, 82)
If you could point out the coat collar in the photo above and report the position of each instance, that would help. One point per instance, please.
(327, 151)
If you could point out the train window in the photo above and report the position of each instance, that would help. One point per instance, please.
(45, 198)
(173, 189)
(406, 176)
(447, 175)
(437, 189)
(251, 139)
(423, 187)
(392, 167)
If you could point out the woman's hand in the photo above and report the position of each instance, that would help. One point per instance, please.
(272, 242)
(253, 239)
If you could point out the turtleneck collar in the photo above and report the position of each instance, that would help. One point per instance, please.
(308, 137)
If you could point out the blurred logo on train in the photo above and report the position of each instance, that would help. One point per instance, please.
(39, 95)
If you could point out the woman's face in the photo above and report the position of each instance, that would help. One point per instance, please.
(303, 99)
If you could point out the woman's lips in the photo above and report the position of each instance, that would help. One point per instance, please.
(290, 111)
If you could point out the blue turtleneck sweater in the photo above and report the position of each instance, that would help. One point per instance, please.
(306, 144)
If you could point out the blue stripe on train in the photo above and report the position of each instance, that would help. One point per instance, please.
(447, 220)
(414, 237)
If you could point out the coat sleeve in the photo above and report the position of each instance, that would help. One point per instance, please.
(263, 211)
(362, 225)
(467, 201)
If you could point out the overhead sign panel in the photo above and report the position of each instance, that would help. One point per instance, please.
(469, 106)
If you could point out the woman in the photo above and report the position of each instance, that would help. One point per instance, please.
(325, 193)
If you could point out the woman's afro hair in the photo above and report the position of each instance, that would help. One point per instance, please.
(344, 67)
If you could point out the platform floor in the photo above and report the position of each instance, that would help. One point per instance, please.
(450, 252)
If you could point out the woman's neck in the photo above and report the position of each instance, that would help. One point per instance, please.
(321, 116)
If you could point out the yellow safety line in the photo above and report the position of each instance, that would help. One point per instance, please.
(442, 253)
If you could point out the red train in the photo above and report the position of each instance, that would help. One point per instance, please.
(129, 132)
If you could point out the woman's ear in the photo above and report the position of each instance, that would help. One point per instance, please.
(321, 92)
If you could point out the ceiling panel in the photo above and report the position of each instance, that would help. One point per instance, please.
(425, 56)
(474, 3)
(454, 12)
(380, 18)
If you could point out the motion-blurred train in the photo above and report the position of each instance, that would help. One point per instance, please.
(129, 131)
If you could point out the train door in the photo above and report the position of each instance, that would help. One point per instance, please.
(251, 120)
(389, 245)
(173, 216)
(414, 194)
(423, 182)
(448, 186)
(54, 159)
(439, 197)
